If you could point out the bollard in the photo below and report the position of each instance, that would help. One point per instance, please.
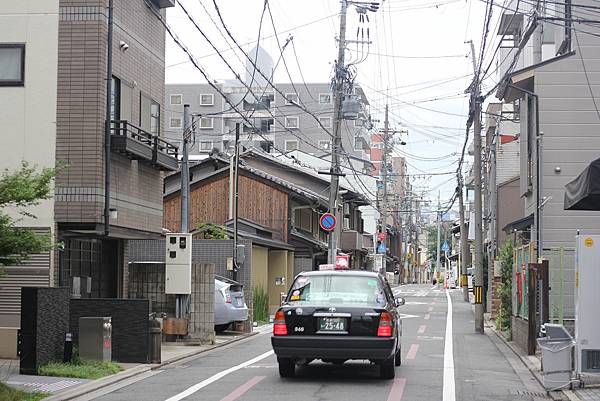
(155, 340)
(68, 348)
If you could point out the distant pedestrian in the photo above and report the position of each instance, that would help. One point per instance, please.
(434, 281)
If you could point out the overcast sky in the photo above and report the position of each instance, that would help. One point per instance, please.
(418, 63)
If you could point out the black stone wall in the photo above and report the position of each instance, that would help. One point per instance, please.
(129, 325)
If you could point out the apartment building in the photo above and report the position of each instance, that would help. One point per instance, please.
(551, 93)
(95, 239)
(28, 56)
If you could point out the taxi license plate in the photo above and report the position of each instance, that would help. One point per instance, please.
(332, 324)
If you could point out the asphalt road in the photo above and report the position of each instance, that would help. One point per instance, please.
(466, 367)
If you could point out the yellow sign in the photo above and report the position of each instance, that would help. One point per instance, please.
(478, 294)
(589, 242)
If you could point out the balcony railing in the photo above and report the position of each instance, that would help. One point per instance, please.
(137, 144)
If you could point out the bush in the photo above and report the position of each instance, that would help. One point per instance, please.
(505, 289)
(260, 305)
(80, 369)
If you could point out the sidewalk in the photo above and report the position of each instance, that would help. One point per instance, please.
(64, 388)
(534, 364)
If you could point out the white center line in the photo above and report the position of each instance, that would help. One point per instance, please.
(191, 390)
(449, 392)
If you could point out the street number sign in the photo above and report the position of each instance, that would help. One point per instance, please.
(327, 222)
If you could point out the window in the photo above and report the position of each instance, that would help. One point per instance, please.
(291, 98)
(175, 123)
(206, 123)
(115, 99)
(292, 122)
(325, 98)
(325, 121)
(291, 145)
(348, 289)
(325, 145)
(155, 118)
(358, 143)
(358, 122)
(207, 99)
(206, 145)
(12, 64)
(176, 99)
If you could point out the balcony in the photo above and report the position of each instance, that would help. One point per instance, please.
(137, 144)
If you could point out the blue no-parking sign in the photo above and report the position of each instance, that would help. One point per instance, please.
(327, 222)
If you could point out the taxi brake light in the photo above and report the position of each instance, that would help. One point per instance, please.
(279, 326)
(385, 325)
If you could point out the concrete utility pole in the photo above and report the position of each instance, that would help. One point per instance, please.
(476, 115)
(538, 35)
(107, 123)
(439, 227)
(185, 170)
(383, 225)
(236, 203)
(464, 243)
(338, 95)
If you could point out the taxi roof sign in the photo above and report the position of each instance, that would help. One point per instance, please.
(327, 267)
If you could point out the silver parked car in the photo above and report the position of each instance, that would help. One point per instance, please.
(229, 303)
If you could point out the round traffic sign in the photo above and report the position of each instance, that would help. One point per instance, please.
(327, 222)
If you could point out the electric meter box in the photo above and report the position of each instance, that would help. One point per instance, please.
(178, 264)
(587, 299)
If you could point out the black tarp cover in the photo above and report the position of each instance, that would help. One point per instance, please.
(583, 193)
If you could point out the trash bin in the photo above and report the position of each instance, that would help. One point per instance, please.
(556, 350)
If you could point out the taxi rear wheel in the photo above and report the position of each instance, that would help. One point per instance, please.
(398, 357)
(387, 369)
(287, 367)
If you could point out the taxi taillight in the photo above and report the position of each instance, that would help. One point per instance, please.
(385, 325)
(279, 327)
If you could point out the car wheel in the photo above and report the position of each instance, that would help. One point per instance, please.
(287, 367)
(219, 328)
(387, 370)
(398, 357)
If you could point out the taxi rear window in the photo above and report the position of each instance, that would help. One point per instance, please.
(337, 290)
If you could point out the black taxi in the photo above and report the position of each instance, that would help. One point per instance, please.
(336, 316)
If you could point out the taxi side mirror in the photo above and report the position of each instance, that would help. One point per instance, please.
(399, 301)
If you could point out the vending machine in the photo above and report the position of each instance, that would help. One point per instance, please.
(587, 299)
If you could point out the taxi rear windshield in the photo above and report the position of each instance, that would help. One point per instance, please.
(337, 290)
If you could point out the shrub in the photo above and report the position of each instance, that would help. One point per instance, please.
(505, 289)
(261, 304)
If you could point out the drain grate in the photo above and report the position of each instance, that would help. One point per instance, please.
(533, 395)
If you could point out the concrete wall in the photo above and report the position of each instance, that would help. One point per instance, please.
(260, 267)
(278, 261)
(510, 208)
(202, 305)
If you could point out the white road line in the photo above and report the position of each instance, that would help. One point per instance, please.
(218, 376)
(449, 391)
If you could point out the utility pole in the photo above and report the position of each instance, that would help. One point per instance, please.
(181, 299)
(439, 229)
(464, 244)
(538, 35)
(236, 176)
(383, 226)
(338, 94)
(107, 122)
(476, 115)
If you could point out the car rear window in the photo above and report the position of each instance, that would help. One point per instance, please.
(337, 290)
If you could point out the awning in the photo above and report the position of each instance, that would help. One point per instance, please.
(519, 225)
(583, 193)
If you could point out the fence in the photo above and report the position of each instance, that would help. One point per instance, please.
(562, 284)
(522, 256)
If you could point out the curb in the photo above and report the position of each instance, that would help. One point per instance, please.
(555, 395)
(136, 371)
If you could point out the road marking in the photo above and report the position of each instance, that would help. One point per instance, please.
(449, 392)
(427, 316)
(412, 351)
(243, 389)
(405, 316)
(191, 390)
(430, 309)
(397, 390)
(422, 329)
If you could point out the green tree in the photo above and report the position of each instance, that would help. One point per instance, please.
(504, 291)
(212, 231)
(19, 191)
